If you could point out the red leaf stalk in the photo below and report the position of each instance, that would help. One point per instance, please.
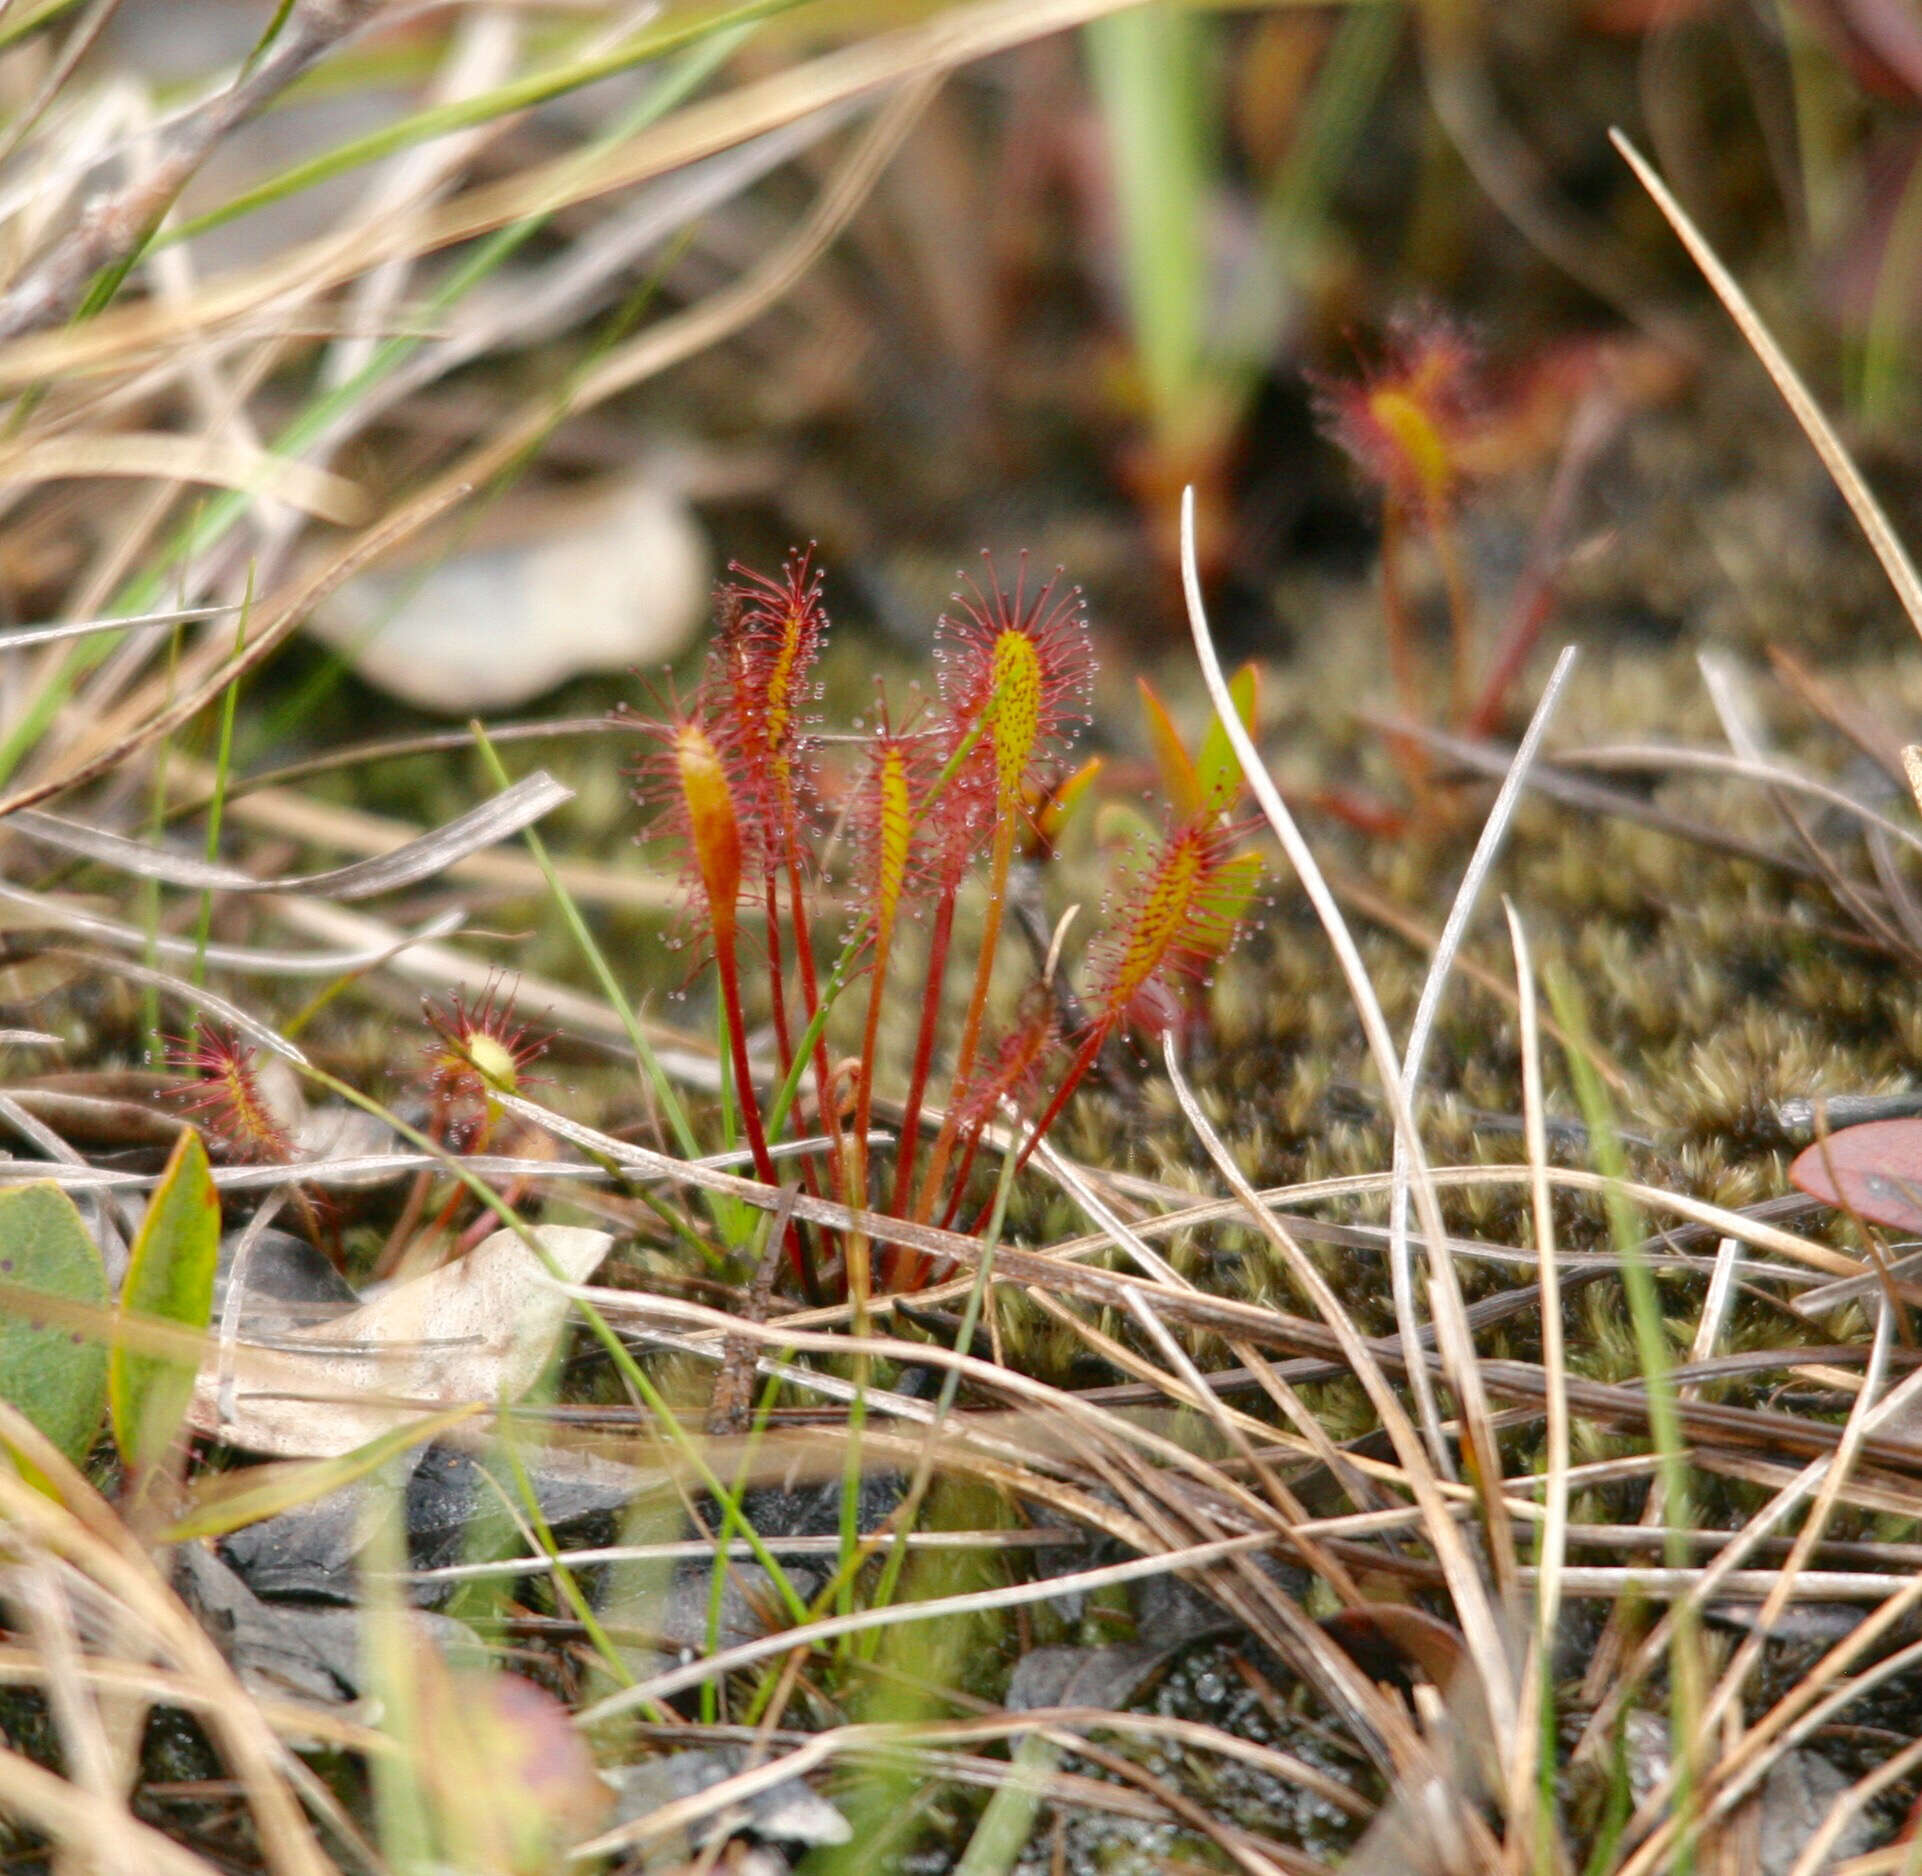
(771, 635)
(1180, 914)
(940, 942)
(692, 779)
(1013, 1075)
(1020, 675)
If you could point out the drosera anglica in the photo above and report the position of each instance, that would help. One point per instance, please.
(1180, 912)
(757, 691)
(478, 1051)
(226, 1097)
(1016, 677)
(733, 779)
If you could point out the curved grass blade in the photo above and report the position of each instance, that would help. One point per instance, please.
(508, 813)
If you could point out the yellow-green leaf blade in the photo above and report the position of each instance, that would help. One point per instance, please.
(1217, 768)
(170, 1274)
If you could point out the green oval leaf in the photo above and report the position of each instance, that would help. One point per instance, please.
(170, 1275)
(56, 1376)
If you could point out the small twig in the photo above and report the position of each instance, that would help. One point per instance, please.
(78, 44)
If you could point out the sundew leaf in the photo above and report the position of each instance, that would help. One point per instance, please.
(1236, 882)
(56, 1376)
(170, 1274)
(1179, 781)
(1217, 769)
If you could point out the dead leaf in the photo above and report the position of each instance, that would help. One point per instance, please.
(477, 1330)
(604, 582)
(1874, 1170)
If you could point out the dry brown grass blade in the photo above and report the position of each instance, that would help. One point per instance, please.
(439, 967)
(180, 459)
(1421, 1026)
(911, 54)
(1773, 772)
(1729, 695)
(102, 1837)
(82, 1529)
(1472, 1606)
(1057, 1265)
(517, 806)
(1594, 798)
(54, 80)
(1066, 1726)
(1049, 1410)
(665, 1685)
(291, 815)
(1797, 1490)
(1831, 1475)
(1816, 427)
(1360, 896)
(1280, 1503)
(36, 1589)
(1843, 714)
(1522, 1810)
(278, 621)
(667, 343)
(292, 1719)
(1825, 1690)
(49, 909)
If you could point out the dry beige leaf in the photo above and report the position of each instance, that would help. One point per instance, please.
(477, 1330)
(598, 582)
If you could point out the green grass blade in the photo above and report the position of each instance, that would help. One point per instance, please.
(223, 764)
(1146, 68)
(484, 107)
(1665, 1426)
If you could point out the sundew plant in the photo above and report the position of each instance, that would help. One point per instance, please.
(804, 870)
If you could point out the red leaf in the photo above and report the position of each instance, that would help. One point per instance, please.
(1874, 1170)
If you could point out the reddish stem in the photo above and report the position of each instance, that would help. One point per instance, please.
(1402, 666)
(726, 964)
(901, 1264)
(1596, 420)
(1083, 1061)
(777, 988)
(1077, 1069)
(1002, 858)
(1461, 608)
(811, 997)
(864, 1075)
